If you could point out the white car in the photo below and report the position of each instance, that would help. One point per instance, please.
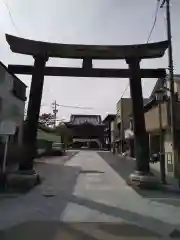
(58, 146)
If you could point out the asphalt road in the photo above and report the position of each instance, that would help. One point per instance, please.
(86, 197)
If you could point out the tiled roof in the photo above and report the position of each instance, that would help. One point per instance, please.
(81, 119)
(160, 83)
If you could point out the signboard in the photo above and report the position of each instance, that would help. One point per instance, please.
(7, 127)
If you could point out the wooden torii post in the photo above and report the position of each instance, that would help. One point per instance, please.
(132, 54)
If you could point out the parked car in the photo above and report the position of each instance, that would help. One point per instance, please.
(58, 146)
(155, 157)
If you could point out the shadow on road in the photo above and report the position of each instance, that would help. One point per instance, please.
(125, 166)
(45, 230)
(59, 184)
(145, 222)
(50, 230)
(45, 202)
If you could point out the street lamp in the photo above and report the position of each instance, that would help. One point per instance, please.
(160, 96)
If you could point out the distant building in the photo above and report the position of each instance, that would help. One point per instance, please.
(152, 120)
(12, 100)
(124, 111)
(87, 131)
(152, 123)
(110, 130)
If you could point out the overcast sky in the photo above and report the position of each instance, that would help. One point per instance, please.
(86, 22)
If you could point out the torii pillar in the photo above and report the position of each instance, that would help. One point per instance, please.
(34, 104)
(142, 173)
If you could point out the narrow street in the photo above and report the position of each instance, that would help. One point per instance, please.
(85, 198)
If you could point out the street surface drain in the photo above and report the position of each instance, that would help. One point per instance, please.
(49, 195)
(90, 171)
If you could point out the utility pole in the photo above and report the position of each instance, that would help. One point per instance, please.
(55, 111)
(171, 80)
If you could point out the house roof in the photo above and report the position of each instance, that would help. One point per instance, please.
(109, 117)
(157, 86)
(13, 75)
(152, 102)
(78, 119)
(148, 104)
(45, 128)
(160, 83)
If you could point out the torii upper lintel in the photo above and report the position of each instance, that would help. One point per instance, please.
(31, 47)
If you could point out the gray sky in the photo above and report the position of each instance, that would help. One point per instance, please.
(86, 22)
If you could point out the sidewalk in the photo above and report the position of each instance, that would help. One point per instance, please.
(172, 183)
(170, 180)
(42, 202)
(124, 166)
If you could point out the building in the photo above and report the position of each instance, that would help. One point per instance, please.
(12, 101)
(157, 122)
(87, 131)
(109, 130)
(153, 118)
(124, 109)
(124, 112)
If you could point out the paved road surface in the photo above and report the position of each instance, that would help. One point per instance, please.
(85, 199)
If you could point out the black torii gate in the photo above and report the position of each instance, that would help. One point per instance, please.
(133, 54)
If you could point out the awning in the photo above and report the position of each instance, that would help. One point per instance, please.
(129, 134)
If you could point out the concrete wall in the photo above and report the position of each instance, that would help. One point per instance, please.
(118, 111)
(114, 130)
(152, 117)
(124, 109)
(168, 160)
(11, 107)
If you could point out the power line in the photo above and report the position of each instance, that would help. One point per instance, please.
(11, 17)
(68, 106)
(124, 90)
(78, 107)
(155, 20)
(162, 4)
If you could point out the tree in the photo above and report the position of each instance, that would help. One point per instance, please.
(46, 119)
(65, 133)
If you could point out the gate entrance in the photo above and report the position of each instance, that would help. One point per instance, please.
(132, 54)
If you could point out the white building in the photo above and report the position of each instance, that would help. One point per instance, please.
(12, 100)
